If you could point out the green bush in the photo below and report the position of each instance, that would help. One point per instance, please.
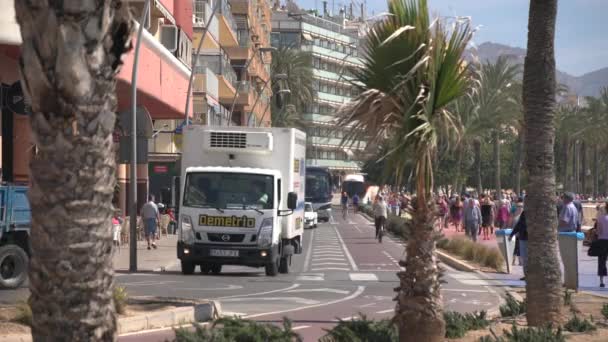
(362, 330)
(458, 324)
(605, 311)
(576, 324)
(238, 330)
(512, 307)
(24, 314)
(120, 299)
(547, 334)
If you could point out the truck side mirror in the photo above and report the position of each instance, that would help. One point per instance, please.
(292, 201)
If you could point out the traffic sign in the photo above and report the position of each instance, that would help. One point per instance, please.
(15, 100)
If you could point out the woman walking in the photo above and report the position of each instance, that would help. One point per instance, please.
(456, 210)
(601, 244)
(487, 216)
(521, 231)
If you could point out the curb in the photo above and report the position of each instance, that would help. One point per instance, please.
(191, 314)
(200, 312)
(454, 262)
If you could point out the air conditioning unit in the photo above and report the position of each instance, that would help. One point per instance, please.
(169, 37)
(239, 141)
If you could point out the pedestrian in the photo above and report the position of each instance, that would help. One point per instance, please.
(521, 232)
(442, 211)
(456, 212)
(151, 217)
(599, 245)
(380, 215)
(579, 209)
(472, 219)
(487, 216)
(568, 217)
(356, 203)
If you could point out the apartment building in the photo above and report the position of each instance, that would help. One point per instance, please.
(232, 70)
(162, 82)
(333, 42)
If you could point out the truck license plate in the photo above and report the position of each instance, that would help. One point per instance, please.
(224, 253)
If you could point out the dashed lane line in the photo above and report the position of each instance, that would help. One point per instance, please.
(309, 252)
(346, 252)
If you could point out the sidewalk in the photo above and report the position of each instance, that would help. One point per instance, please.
(588, 279)
(154, 260)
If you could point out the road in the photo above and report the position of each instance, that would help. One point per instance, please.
(342, 272)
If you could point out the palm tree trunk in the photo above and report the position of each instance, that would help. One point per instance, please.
(544, 278)
(477, 148)
(519, 157)
(419, 309)
(497, 170)
(565, 158)
(575, 167)
(71, 86)
(583, 168)
(596, 172)
(458, 177)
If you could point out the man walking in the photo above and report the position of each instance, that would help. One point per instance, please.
(472, 219)
(150, 217)
(568, 217)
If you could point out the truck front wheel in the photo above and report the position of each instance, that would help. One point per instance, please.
(272, 269)
(188, 267)
(13, 266)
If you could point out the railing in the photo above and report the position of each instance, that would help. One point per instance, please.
(219, 64)
(226, 11)
(328, 25)
(243, 36)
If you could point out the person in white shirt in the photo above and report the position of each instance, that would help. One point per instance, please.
(150, 217)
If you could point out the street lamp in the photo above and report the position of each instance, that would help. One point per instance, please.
(277, 77)
(133, 173)
(238, 85)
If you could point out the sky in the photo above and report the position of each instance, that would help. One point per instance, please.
(581, 41)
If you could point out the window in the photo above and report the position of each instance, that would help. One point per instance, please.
(2, 205)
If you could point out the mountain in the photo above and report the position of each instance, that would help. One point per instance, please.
(588, 84)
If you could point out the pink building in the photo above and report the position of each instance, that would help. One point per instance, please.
(164, 70)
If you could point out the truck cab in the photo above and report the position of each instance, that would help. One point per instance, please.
(15, 224)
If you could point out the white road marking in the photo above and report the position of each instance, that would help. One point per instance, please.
(294, 286)
(329, 259)
(330, 269)
(385, 311)
(232, 314)
(363, 277)
(309, 251)
(346, 252)
(464, 290)
(319, 290)
(311, 277)
(329, 263)
(354, 295)
(328, 254)
(297, 300)
(144, 332)
(150, 283)
(366, 305)
(300, 327)
(229, 287)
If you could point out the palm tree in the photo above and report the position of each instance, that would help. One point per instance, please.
(412, 71)
(495, 103)
(544, 278)
(594, 130)
(297, 66)
(69, 59)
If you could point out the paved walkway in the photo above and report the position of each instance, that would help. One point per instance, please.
(588, 279)
(154, 260)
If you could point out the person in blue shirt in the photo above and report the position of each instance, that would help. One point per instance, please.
(356, 203)
(344, 203)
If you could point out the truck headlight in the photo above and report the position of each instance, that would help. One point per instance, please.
(265, 236)
(186, 231)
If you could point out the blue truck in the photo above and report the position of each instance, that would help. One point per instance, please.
(15, 223)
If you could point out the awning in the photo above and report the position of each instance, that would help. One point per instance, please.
(307, 36)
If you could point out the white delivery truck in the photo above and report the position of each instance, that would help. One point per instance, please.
(242, 199)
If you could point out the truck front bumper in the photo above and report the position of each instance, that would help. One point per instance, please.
(200, 253)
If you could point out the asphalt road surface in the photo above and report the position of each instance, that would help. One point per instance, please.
(342, 272)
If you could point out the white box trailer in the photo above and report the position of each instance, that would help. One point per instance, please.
(242, 198)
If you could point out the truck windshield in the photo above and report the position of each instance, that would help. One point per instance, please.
(228, 190)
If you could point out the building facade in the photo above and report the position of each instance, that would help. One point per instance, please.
(232, 69)
(334, 45)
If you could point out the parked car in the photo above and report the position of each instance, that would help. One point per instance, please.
(310, 216)
(15, 224)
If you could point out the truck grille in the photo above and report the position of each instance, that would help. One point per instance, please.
(217, 237)
(228, 140)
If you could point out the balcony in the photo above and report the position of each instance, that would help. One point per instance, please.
(202, 13)
(228, 26)
(220, 66)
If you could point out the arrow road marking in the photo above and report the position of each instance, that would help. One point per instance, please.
(294, 286)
